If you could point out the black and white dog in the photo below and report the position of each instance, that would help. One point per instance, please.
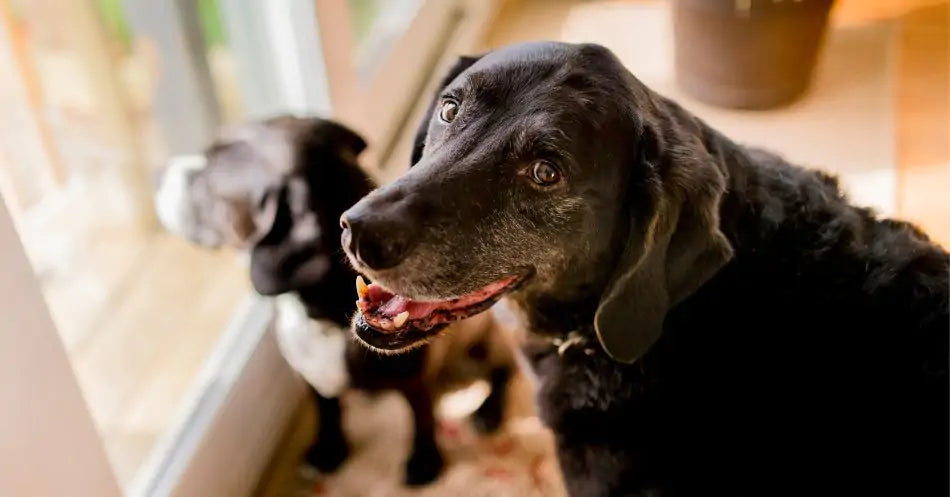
(277, 188)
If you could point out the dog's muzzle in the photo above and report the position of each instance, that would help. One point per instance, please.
(171, 199)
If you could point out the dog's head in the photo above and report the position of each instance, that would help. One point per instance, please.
(275, 187)
(545, 169)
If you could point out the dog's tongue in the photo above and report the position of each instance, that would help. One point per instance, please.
(375, 299)
(389, 312)
(397, 304)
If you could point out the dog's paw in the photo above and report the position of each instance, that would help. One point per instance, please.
(327, 456)
(423, 467)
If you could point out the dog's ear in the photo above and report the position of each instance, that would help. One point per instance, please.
(238, 190)
(314, 132)
(419, 142)
(297, 251)
(289, 257)
(251, 221)
(335, 134)
(674, 246)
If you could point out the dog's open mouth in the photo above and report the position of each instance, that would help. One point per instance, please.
(392, 322)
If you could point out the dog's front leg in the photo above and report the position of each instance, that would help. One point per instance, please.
(425, 462)
(329, 448)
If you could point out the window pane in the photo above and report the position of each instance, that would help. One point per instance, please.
(377, 25)
(81, 135)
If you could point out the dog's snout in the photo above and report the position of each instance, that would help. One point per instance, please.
(379, 236)
(375, 243)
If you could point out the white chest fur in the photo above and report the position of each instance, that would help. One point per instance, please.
(315, 348)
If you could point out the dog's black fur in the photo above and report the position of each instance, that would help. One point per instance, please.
(728, 323)
(326, 159)
(323, 181)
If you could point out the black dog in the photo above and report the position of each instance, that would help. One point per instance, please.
(278, 187)
(708, 319)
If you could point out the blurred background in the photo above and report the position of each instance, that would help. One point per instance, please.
(98, 94)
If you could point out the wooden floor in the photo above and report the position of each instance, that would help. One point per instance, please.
(923, 119)
(883, 88)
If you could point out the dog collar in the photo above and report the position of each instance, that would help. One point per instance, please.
(572, 339)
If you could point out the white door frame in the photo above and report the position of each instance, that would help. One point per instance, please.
(48, 442)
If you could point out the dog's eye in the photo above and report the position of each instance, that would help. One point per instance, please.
(450, 108)
(544, 173)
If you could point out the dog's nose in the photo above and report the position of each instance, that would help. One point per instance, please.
(377, 241)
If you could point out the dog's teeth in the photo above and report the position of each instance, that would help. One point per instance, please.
(401, 319)
(361, 287)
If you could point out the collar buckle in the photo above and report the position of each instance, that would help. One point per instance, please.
(573, 338)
